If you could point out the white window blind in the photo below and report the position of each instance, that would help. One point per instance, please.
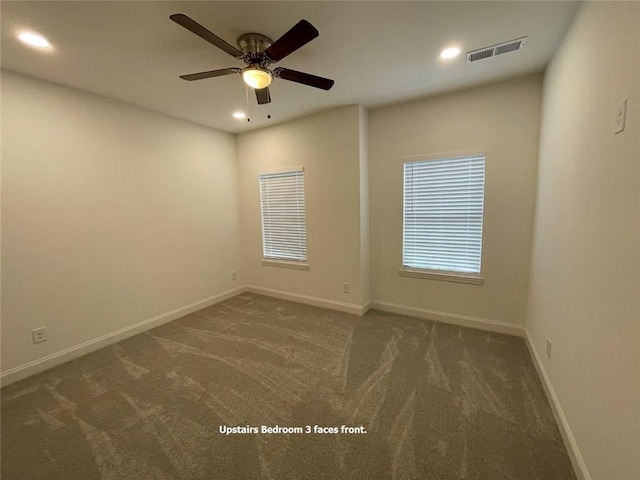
(284, 234)
(443, 208)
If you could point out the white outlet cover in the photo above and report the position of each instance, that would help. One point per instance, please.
(621, 116)
(38, 335)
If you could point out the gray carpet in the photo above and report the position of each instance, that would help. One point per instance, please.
(436, 401)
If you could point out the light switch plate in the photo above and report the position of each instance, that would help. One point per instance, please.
(621, 116)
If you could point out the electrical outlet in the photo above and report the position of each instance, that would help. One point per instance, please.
(548, 348)
(234, 275)
(345, 287)
(39, 335)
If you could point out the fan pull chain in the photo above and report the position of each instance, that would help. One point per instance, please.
(246, 91)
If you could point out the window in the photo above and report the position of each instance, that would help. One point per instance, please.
(284, 235)
(443, 209)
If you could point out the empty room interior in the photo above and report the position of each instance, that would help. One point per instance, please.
(320, 240)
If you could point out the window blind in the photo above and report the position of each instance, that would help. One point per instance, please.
(443, 209)
(284, 235)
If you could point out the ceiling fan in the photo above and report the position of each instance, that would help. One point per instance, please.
(258, 52)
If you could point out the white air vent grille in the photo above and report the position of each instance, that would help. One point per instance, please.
(494, 50)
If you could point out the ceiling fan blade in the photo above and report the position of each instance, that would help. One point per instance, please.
(210, 74)
(300, 34)
(205, 34)
(263, 95)
(303, 78)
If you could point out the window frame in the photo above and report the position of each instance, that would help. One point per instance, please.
(274, 261)
(476, 278)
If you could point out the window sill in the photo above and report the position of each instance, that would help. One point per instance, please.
(446, 276)
(267, 262)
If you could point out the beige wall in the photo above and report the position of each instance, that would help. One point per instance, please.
(327, 145)
(111, 215)
(501, 118)
(585, 275)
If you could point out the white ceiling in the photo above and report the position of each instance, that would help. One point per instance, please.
(377, 52)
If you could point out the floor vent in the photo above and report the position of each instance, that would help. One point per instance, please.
(495, 50)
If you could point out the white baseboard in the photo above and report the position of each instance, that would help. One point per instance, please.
(58, 358)
(579, 467)
(453, 318)
(309, 300)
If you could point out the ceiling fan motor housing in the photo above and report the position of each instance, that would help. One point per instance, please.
(253, 45)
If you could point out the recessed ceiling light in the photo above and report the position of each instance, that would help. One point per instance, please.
(34, 40)
(450, 52)
(238, 115)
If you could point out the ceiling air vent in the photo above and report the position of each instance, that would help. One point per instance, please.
(494, 50)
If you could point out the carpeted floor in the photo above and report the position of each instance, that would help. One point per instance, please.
(436, 401)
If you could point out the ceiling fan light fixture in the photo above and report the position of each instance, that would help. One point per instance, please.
(257, 77)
